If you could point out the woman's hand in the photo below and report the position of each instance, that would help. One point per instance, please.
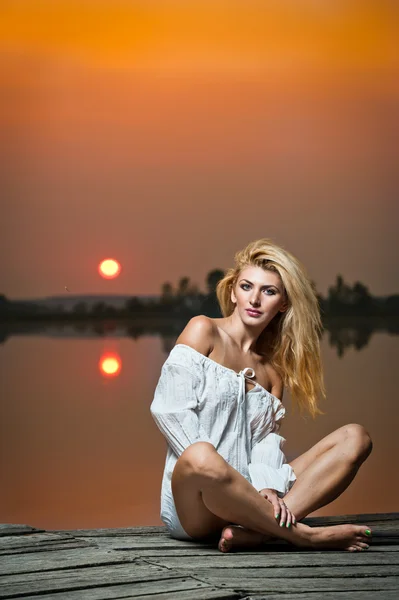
(281, 510)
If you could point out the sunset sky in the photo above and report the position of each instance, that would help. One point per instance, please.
(167, 135)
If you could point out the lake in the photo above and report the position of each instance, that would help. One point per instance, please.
(79, 448)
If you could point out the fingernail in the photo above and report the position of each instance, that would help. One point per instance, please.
(282, 524)
(277, 515)
(288, 524)
(367, 532)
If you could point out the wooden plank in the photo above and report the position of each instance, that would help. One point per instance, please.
(384, 548)
(270, 573)
(142, 542)
(238, 560)
(112, 532)
(43, 548)
(39, 542)
(36, 538)
(364, 518)
(178, 588)
(10, 529)
(200, 594)
(82, 578)
(63, 559)
(363, 595)
(305, 585)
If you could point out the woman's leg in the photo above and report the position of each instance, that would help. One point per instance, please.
(326, 470)
(323, 473)
(209, 493)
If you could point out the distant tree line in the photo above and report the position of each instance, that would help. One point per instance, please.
(186, 299)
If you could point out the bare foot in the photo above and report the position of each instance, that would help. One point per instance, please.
(235, 537)
(344, 537)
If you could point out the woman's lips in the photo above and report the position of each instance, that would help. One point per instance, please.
(253, 313)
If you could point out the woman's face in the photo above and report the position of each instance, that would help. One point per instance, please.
(260, 290)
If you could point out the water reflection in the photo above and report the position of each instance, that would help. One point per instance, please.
(110, 364)
(80, 449)
(342, 333)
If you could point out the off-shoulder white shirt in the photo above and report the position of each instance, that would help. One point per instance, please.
(200, 400)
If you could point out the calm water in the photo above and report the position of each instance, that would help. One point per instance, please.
(79, 449)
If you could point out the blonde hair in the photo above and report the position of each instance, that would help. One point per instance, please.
(292, 338)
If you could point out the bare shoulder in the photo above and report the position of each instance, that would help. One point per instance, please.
(199, 333)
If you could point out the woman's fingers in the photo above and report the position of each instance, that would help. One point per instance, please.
(288, 521)
(283, 514)
(276, 505)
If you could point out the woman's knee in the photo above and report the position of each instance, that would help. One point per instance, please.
(202, 459)
(357, 442)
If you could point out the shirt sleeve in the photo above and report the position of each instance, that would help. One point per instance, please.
(174, 408)
(268, 467)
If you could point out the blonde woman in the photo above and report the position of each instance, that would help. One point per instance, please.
(218, 403)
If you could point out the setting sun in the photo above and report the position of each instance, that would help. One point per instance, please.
(110, 365)
(109, 268)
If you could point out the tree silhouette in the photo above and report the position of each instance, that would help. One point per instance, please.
(212, 279)
(183, 286)
(80, 308)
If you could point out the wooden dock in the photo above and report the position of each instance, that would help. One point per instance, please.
(145, 563)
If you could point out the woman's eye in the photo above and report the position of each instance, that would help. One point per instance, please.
(245, 286)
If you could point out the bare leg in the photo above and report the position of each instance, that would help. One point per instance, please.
(209, 493)
(323, 473)
(326, 470)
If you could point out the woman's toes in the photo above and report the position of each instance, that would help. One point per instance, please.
(362, 545)
(227, 534)
(367, 532)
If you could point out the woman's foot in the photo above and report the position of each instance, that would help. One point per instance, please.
(352, 538)
(235, 537)
(341, 537)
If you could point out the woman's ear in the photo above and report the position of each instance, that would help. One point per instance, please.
(232, 296)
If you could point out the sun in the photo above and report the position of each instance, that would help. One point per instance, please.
(109, 268)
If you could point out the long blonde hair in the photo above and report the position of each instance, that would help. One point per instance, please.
(292, 338)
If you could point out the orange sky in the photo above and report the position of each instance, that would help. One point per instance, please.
(169, 134)
(227, 34)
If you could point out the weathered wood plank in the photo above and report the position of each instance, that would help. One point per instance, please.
(112, 532)
(36, 538)
(64, 580)
(37, 542)
(200, 594)
(361, 518)
(63, 559)
(271, 573)
(10, 529)
(141, 542)
(363, 595)
(287, 561)
(305, 585)
(179, 588)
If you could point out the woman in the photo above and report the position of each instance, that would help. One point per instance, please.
(218, 404)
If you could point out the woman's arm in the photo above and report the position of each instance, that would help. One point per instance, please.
(175, 399)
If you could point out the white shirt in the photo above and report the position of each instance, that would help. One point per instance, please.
(200, 400)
